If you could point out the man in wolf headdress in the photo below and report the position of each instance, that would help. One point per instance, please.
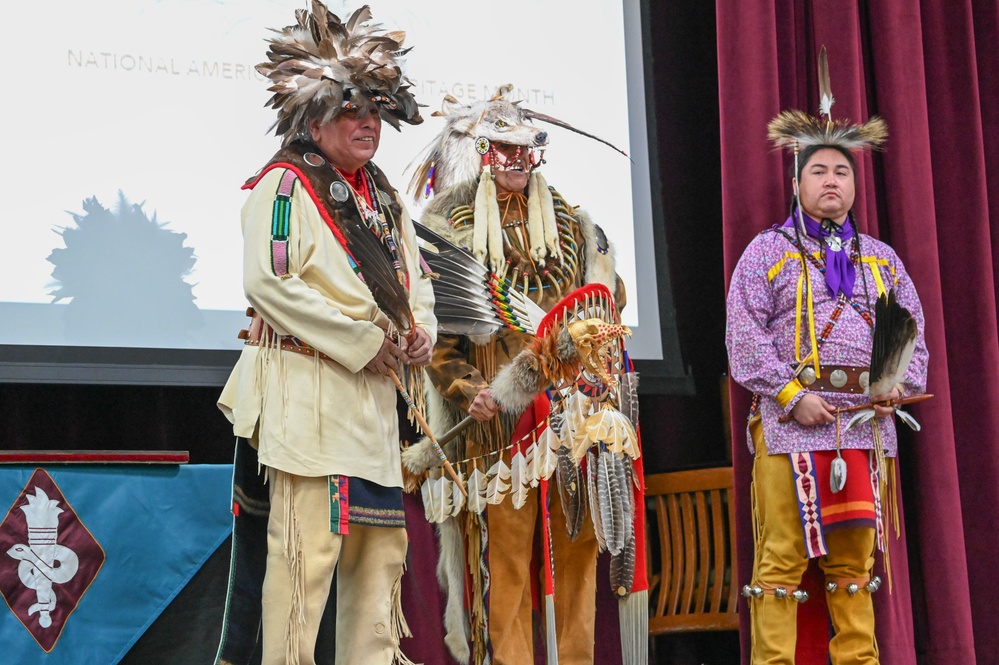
(332, 270)
(491, 199)
(801, 319)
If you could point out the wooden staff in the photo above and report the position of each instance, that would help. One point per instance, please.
(858, 407)
(426, 430)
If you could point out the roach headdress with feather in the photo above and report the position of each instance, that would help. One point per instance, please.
(321, 66)
(796, 129)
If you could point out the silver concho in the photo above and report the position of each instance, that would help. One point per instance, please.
(838, 378)
(864, 380)
(807, 376)
(338, 191)
(835, 243)
(313, 159)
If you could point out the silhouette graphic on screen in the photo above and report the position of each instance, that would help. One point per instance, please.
(124, 275)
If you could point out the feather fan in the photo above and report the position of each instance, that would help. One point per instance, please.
(471, 300)
(894, 343)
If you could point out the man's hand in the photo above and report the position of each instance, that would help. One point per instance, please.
(884, 411)
(813, 410)
(483, 407)
(388, 357)
(417, 348)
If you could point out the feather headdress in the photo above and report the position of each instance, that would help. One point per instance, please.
(796, 129)
(322, 65)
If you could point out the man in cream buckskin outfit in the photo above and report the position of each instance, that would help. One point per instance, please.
(332, 270)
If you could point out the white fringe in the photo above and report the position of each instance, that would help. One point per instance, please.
(293, 555)
(633, 617)
(551, 636)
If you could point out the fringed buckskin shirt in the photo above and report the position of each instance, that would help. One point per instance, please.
(768, 311)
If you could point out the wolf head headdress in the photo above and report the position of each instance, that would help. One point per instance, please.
(321, 66)
(464, 152)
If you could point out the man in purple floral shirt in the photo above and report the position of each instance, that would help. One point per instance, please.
(799, 335)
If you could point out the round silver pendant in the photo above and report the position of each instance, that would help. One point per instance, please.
(313, 159)
(383, 197)
(338, 191)
(835, 243)
(807, 376)
(838, 378)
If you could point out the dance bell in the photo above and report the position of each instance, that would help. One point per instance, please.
(874, 584)
(780, 592)
(754, 591)
(852, 589)
(800, 595)
(831, 587)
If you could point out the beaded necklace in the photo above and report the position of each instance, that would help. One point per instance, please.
(375, 215)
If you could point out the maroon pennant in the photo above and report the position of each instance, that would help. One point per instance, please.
(48, 559)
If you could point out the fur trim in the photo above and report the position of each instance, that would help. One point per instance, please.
(417, 459)
(518, 382)
(600, 265)
(451, 577)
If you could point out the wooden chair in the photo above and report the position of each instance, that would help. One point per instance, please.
(691, 516)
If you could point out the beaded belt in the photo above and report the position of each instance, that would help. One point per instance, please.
(836, 379)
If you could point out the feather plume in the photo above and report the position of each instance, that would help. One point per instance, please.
(476, 491)
(894, 342)
(499, 482)
(457, 496)
(622, 569)
(533, 463)
(319, 66)
(570, 491)
(546, 453)
(595, 515)
(628, 398)
(614, 499)
(907, 418)
(859, 419)
(609, 427)
(826, 99)
(519, 480)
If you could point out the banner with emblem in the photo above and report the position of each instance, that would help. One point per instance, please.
(91, 555)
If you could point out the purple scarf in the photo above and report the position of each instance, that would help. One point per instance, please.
(840, 273)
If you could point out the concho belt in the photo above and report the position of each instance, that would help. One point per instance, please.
(836, 379)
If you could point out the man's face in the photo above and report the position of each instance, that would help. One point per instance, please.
(512, 170)
(827, 186)
(349, 141)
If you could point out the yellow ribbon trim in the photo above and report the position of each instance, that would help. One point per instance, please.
(872, 263)
(788, 392)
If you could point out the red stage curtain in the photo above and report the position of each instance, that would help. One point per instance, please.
(931, 69)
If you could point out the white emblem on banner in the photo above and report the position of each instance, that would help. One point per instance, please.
(43, 562)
